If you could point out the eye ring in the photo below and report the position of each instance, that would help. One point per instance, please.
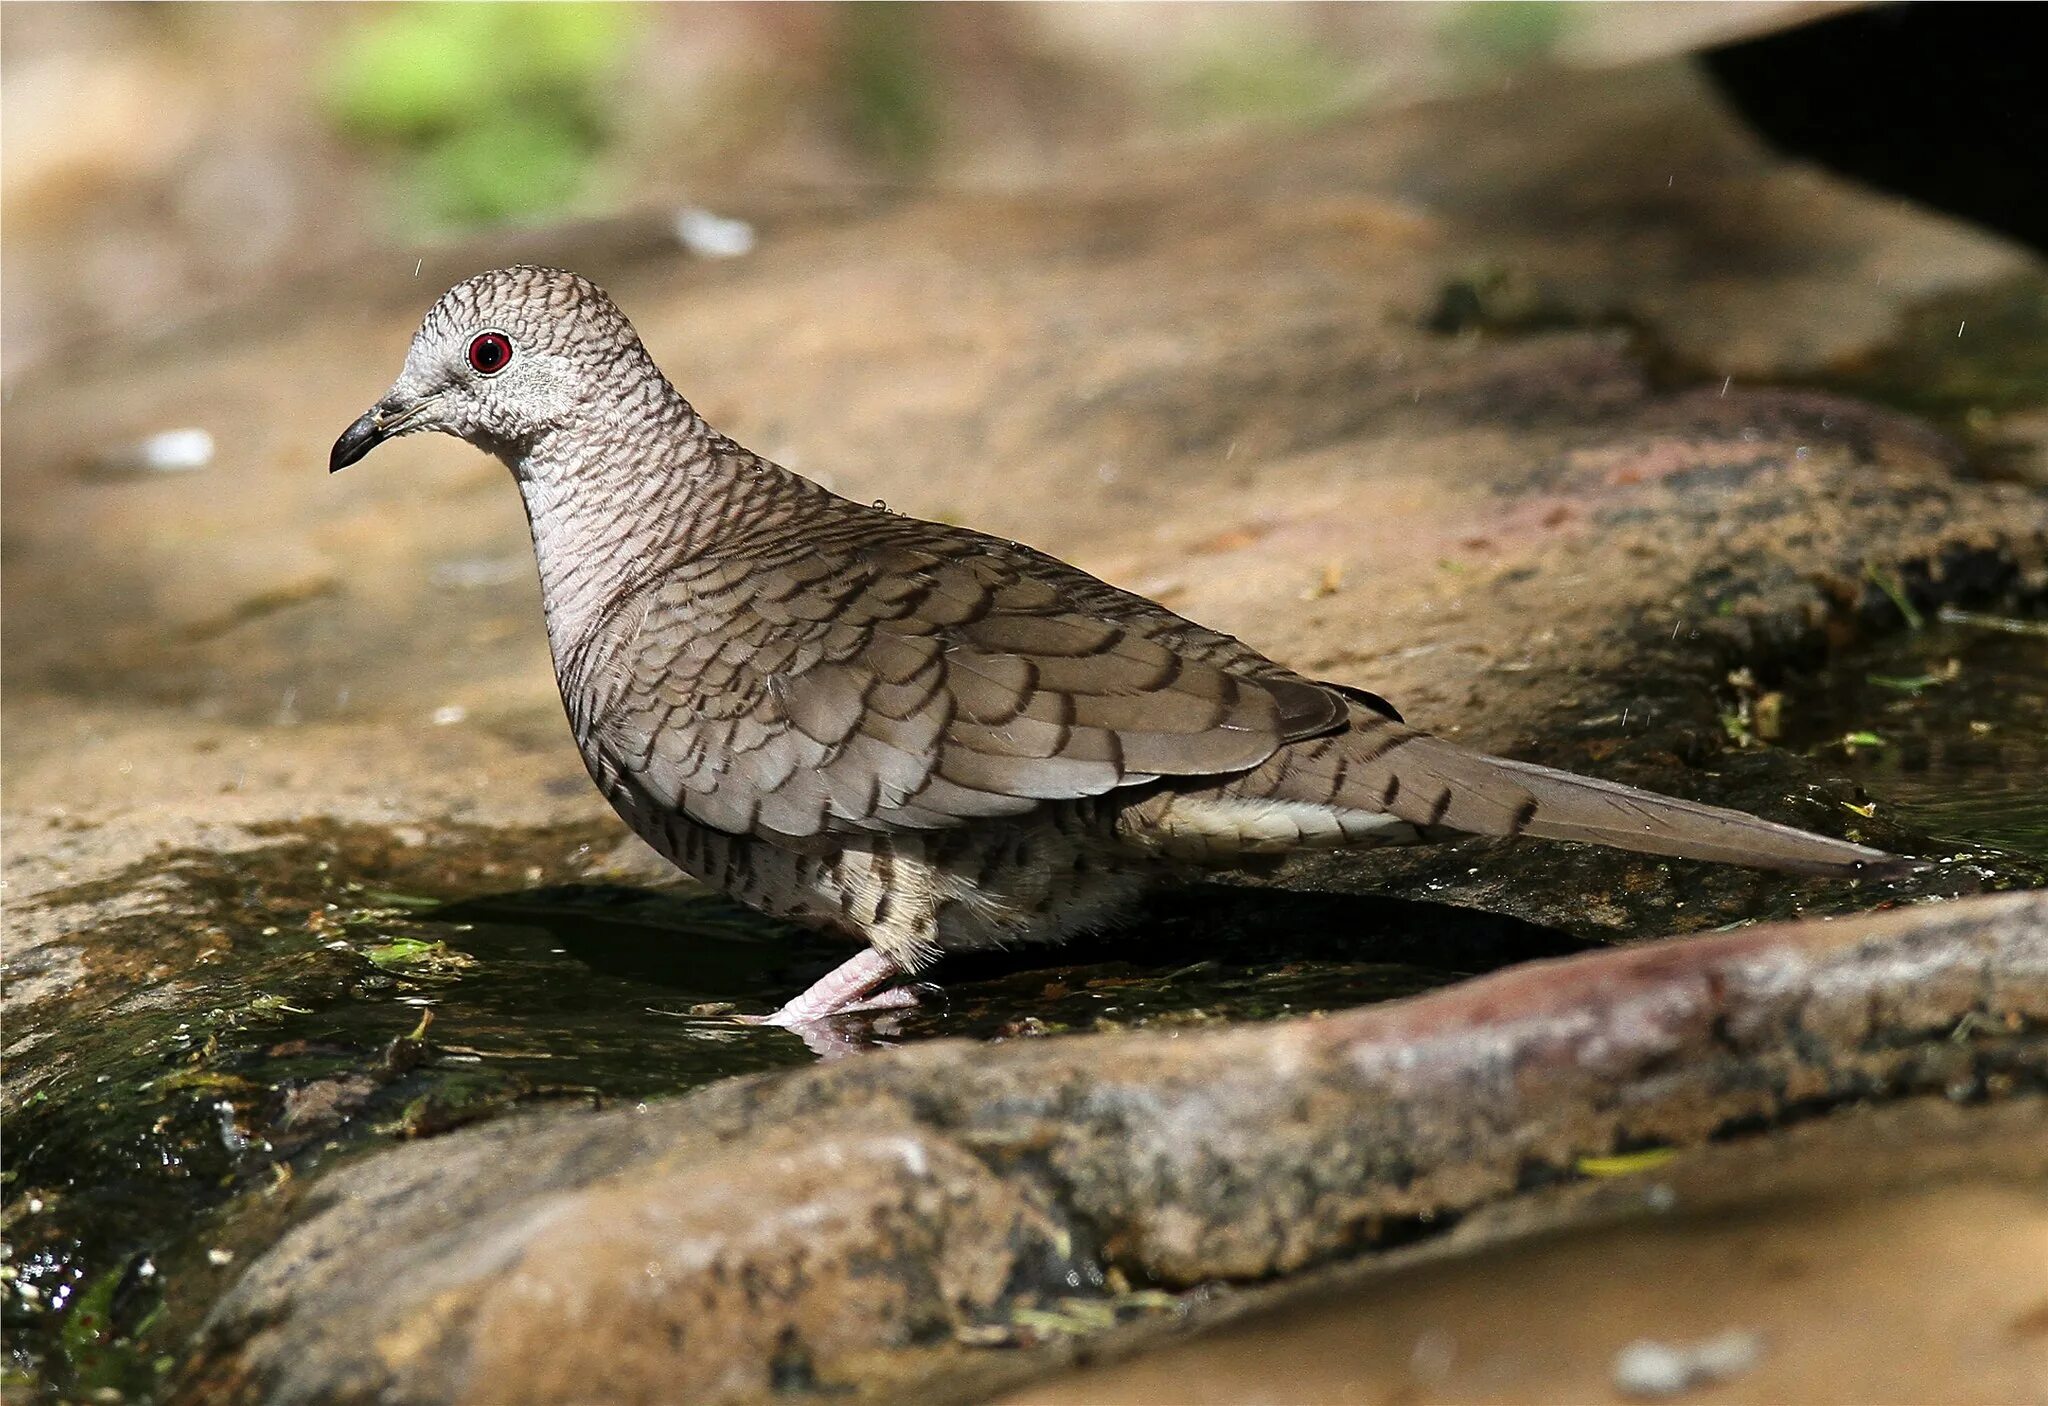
(490, 353)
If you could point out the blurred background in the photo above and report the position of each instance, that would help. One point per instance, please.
(159, 158)
(1587, 378)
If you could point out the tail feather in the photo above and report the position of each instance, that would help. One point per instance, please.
(1436, 786)
(1570, 807)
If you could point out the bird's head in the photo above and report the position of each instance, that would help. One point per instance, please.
(504, 359)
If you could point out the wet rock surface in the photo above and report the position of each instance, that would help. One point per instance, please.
(1786, 1272)
(1464, 405)
(780, 1233)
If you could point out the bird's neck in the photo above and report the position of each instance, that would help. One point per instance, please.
(615, 501)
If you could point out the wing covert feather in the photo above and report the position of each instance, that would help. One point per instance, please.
(886, 673)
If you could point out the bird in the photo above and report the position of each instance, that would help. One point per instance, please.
(919, 737)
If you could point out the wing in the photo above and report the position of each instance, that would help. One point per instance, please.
(898, 674)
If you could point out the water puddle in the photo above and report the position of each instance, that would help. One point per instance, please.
(1948, 725)
(275, 1013)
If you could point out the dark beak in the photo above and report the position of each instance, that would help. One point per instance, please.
(357, 440)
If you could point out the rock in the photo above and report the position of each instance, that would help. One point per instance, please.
(850, 1225)
(324, 1103)
(1834, 1240)
(1216, 375)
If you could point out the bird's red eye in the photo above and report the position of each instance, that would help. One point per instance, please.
(490, 352)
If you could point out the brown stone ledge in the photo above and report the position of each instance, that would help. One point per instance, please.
(934, 1222)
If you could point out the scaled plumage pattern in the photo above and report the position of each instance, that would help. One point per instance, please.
(919, 736)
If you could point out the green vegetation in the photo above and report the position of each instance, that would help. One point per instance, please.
(495, 111)
(411, 954)
(1625, 1164)
(1889, 583)
(1261, 80)
(1505, 33)
(886, 87)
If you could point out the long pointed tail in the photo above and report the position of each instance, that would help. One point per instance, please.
(1387, 768)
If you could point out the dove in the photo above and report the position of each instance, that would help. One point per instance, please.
(919, 737)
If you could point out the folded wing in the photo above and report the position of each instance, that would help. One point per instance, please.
(909, 676)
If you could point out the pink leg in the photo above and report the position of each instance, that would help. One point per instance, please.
(854, 985)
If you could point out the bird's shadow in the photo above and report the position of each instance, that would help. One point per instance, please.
(1224, 950)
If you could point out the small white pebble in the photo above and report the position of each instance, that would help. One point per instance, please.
(1649, 1368)
(1434, 1354)
(453, 713)
(169, 451)
(176, 451)
(219, 1256)
(712, 236)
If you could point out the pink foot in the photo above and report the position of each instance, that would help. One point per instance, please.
(860, 984)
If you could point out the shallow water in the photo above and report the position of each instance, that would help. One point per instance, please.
(278, 1028)
(1958, 711)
